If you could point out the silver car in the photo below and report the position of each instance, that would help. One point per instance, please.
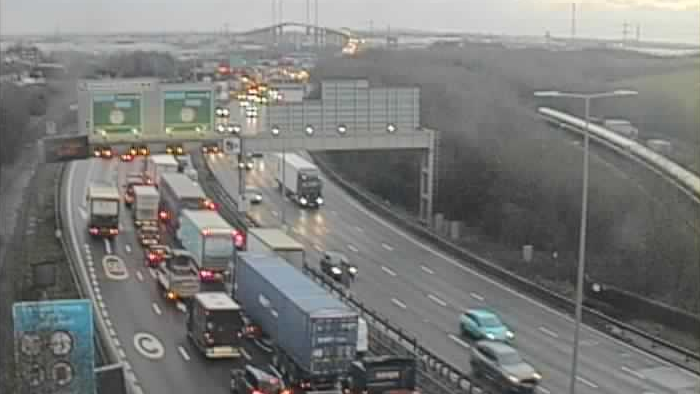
(253, 194)
(501, 364)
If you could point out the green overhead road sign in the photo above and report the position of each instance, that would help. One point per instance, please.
(187, 112)
(116, 113)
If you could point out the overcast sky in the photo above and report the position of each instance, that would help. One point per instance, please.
(667, 20)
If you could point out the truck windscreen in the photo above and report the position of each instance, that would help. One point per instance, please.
(105, 207)
(311, 183)
(219, 246)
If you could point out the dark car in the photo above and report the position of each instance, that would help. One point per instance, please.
(336, 265)
(156, 254)
(251, 380)
(501, 364)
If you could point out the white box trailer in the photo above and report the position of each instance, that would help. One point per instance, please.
(210, 240)
(145, 210)
(300, 180)
(274, 240)
(157, 165)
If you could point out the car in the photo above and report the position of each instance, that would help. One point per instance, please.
(337, 266)
(253, 194)
(501, 364)
(255, 380)
(248, 163)
(244, 103)
(251, 112)
(484, 324)
(156, 254)
(149, 235)
(134, 179)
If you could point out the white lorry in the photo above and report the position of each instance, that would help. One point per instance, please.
(274, 240)
(177, 276)
(157, 165)
(300, 180)
(145, 206)
(103, 204)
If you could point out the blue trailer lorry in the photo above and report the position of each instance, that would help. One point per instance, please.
(314, 335)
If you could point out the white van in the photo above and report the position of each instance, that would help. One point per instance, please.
(362, 338)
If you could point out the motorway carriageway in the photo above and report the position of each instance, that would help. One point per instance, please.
(423, 291)
(150, 332)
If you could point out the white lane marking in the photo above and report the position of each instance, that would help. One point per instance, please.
(139, 276)
(274, 213)
(639, 375)
(115, 268)
(353, 248)
(122, 354)
(127, 247)
(543, 390)
(318, 247)
(148, 345)
(359, 229)
(388, 271)
(549, 332)
(246, 355)
(108, 245)
(387, 247)
(587, 382)
(437, 300)
(398, 303)
(112, 333)
(477, 296)
(459, 341)
(498, 284)
(428, 270)
(180, 306)
(183, 353)
(98, 297)
(334, 213)
(156, 309)
(153, 273)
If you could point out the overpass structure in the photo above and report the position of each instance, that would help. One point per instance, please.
(296, 34)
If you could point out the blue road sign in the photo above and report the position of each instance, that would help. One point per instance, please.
(54, 346)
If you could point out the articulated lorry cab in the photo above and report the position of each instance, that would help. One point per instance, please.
(300, 180)
(382, 375)
(214, 325)
(314, 335)
(103, 204)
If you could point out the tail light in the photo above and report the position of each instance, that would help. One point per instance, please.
(212, 206)
(152, 256)
(163, 215)
(171, 295)
(113, 231)
(107, 153)
(97, 152)
(94, 230)
(206, 274)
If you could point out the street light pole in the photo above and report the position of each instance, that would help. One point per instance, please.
(584, 214)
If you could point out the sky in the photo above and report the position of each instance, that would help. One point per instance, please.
(659, 20)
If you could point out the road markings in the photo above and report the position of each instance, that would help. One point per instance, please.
(183, 353)
(477, 296)
(388, 271)
(459, 341)
(112, 333)
(587, 382)
(359, 229)
(181, 307)
(387, 247)
(274, 213)
(127, 247)
(334, 213)
(108, 246)
(543, 390)
(122, 354)
(639, 375)
(246, 355)
(156, 309)
(318, 247)
(148, 345)
(428, 270)
(437, 300)
(398, 303)
(153, 273)
(549, 332)
(353, 248)
(139, 276)
(114, 268)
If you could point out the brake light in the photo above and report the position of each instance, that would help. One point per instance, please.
(239, 240)
(94, 230)
(206, 232)
(257, 392)
(113, 231)
(163, 215)
(212, 206)
(152, 256)
(206, 274)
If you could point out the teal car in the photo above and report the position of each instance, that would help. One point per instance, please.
(484, 324)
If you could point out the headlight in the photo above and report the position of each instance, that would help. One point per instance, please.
(336, 271)
(513, 379)
(490, 336)
(319, 201)
(258, 197)
(510, 335)
(537, 376)
(352, 270)
(303, 201)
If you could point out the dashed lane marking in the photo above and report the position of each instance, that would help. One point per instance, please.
(156, 309)
(359, 229)
(181, 307)
(459, 341)
(139, 276)
(543, 390)
(153, 273)
(353, 248)
(183, 353)
(246, 355)
(477, 296)
(388, 271)
(437, 300)
(587, 382)
(318, 248)
(426, 269)
(387, 247)
(630, 371)
(127, 247)
(108, 246)
(398, 303)
(549, 332)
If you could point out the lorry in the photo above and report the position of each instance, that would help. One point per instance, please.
(299, 179)
(214, 325)
(186, 167)
(313, 335)
(103, 206)
(178, 192)
(382, 375)
(210, 240)
(274, 240)
(145, 209)
(177, 276)
(157, 165)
